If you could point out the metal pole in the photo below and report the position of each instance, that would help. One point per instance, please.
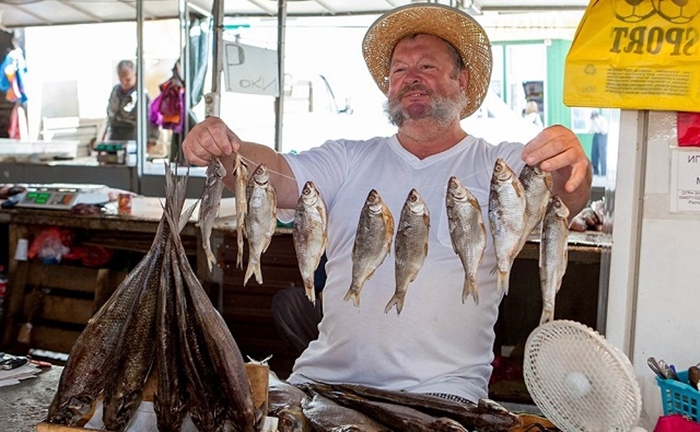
(279, 102)
(141, 107)
(212, 100)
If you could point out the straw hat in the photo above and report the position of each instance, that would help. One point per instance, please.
(450, 24)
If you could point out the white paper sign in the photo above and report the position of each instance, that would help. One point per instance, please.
(250, 69)
(685, 181)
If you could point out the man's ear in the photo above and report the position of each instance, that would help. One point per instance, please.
(464, 79)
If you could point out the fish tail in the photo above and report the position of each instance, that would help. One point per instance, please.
(354, 294)
(211, 258)
(470, 288)
(310, 292)
(396, 300)
(502, 281)
(239, 256)
(253, 269)
(547, 315)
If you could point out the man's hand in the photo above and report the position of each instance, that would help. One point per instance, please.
(558, 150)
(211, 137)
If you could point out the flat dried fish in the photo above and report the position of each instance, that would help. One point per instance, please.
(310, 234)
(210, 204)
(260, 220)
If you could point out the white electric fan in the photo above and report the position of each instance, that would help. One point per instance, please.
(579, 380)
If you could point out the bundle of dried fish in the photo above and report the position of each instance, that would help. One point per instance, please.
(467, 232)
(209, 205)
(553, 254)
(240, 184)
(410, 245)
(310, 235)
(484, 417)
(507, 218)
(260, 220)
(375, 232)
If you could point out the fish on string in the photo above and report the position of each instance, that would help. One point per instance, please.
(537, 185)
(373, 238)
(240, 184)
(554, 254)
(210, 204)
(260, 220)
(467, 233)
(410, 246)
(310, 234)
(507, 218)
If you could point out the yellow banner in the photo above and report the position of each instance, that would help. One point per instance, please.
(636, 54)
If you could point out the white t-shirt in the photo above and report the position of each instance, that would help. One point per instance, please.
(437, 344)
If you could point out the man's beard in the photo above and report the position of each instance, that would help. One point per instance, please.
(442, 109)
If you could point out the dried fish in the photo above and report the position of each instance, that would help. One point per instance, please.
(375, 231)
(326, 415)
(210, 204)
(537, 185)
(553, 254)
(507, 219)
(467, 232)
(410, 245)
(240, 184)
(309, 235)
(260, 220)
(284, 402)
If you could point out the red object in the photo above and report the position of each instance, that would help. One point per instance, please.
(688, 129)
(676, 423)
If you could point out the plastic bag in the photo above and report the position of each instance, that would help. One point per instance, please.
(51, 244)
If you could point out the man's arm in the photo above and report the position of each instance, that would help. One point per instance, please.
(212, 138)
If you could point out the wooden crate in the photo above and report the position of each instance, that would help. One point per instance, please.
(56, 301)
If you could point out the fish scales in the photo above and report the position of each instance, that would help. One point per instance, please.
(507, 219)
(537, 185)
(240, 184)
(90, 361)
(326, 415)
(260, 220)
(310, 234)
(410, 246)
(221, 348)
(481, 417)
(170, 399)
(134, 356)
(373, 238)
(284, 402)
(467, 233)
(553, 254)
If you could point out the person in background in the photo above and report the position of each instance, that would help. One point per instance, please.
(433, 63)
(599, 150)
(122, 116)
(532, 114)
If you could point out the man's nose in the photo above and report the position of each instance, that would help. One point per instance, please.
(412, 76)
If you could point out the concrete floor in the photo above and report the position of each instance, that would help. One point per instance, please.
(24, 405)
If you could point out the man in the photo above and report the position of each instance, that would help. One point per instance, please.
(122, 115)
(599, 129)
(434, 63)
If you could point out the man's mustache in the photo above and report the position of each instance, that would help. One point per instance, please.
(413, 88)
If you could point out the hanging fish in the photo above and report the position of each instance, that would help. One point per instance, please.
(210, 204)
(507, 219)
(537, 185)
(260, 219)
(467, 232)
(309, 235)
(410, 246)
(553, 254)
(373, 238)
(240, 184)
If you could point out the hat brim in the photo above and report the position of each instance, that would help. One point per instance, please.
(450, 24)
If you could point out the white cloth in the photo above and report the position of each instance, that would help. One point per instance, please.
(437, 344)
(599, 124)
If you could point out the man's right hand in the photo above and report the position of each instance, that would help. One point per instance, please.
(210, 137)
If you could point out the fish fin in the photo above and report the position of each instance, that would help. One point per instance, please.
(186, 215)
(239, 255)
(502, 281)
(396, 300)
(253, 269)
(211, 258)
(354, 295)
(470, 288)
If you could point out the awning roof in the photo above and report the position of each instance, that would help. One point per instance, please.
(27, 13)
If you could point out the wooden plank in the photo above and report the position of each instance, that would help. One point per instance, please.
(62, 276)
(61, 309)
(53, 339)
(14, 301)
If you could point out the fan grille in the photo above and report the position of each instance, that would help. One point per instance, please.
(579, 380)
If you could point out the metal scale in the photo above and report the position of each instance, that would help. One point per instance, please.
(63, 196)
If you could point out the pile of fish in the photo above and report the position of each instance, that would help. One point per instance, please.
(159, 321)
(348, 407)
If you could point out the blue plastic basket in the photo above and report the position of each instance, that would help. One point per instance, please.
(680, 397)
